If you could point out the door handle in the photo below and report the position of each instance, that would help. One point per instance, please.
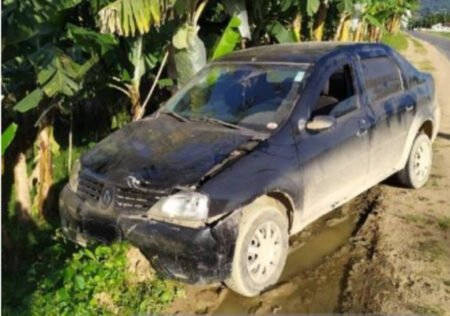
(409, 107)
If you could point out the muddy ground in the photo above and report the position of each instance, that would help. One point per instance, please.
(386, 251)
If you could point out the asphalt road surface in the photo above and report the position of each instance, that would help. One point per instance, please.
(441, 43)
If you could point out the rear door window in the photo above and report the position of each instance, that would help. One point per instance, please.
(381, 78)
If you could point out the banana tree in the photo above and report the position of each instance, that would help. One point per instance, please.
(238, 9)
(188, 52)
(319, 21)
(43, 63)
(276, 21)
(372, 18)
(397, 9)
(132, 19)
(7, 137)
(345, 8)
(363, 14)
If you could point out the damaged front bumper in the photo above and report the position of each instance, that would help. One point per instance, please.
(193, 255)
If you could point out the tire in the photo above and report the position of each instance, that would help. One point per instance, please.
(258, 261)
(418, 167)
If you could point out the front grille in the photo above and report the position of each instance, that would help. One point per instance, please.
(89, 188)
(132, 200)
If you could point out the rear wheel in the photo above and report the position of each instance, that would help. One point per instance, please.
(261, 247)
(418, 167)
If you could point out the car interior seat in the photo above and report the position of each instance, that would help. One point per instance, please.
(325, 102)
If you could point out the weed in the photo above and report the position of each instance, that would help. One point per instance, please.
(415, 219)
(76, 284)
(426, 65)
(425, 310)
(418, 46)
(431, 249)
(444, 223)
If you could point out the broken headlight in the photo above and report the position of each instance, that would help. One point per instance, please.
(183, 205)
(73, 179)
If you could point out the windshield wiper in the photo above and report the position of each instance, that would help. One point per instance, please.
(217, 121)
(175, 115)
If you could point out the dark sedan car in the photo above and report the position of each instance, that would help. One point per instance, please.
(255, 147)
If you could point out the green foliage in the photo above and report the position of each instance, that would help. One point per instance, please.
(93, 282)
(444, 223)
(129, 17)
(190, 53)
(312, 6)
(89, 40)
(281, 33)
(345, 5)
(30, 101)
(59, 74)
(8, 136)
(229, 39)
(87, 281)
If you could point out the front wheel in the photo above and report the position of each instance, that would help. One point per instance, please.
(261, 248)
(418, 167)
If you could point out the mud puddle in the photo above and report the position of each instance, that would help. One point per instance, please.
(313, 277)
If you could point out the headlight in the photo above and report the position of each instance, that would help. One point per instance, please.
(73, 179)
(183, 205)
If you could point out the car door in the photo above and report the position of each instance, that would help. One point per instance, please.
(333, 163)
(384, 95)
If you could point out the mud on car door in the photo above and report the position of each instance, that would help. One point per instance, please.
(335, 160)
(392, 112)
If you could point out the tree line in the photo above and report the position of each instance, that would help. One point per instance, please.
(430, 19)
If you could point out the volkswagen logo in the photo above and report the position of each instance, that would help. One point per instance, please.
(107, 197)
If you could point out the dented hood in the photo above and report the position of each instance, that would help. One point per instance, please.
(163, 151)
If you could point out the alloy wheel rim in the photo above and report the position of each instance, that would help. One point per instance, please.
(422, 162)
(263, 252)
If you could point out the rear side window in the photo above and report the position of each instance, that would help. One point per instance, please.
(381, 78)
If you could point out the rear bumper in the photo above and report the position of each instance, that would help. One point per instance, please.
(193, 255)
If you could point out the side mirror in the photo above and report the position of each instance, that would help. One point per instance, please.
(320, 123)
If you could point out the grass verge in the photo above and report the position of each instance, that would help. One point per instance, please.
(397, 41)
(440, 34)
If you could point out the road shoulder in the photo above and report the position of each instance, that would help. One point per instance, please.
(401, 257)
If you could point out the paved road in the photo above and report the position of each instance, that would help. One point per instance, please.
(443, 44)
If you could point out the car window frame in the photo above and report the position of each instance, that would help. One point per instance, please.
(350, 62)
(363, 81)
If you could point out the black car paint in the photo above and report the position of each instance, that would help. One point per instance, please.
(279, 163)
(163, 151)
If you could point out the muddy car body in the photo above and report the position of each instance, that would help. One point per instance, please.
(215, 200)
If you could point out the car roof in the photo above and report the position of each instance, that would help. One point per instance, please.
(301, 53)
